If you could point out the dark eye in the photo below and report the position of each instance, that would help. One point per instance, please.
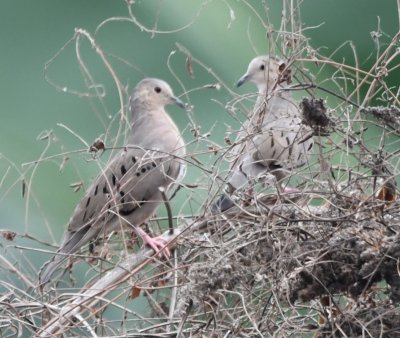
(262, 67)
(157, 89)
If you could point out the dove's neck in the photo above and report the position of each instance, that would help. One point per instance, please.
(272, 106)
(152, 128)
(277, 98)
(140, 109)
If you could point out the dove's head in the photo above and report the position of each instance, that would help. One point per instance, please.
(154, 93)
(266, 72)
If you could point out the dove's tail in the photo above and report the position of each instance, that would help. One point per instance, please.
(71, 243)
(223, 203)
(49, 268)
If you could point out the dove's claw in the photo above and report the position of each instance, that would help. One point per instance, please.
(158, 244)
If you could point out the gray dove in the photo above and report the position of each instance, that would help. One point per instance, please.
(273, 139)
(127, 192)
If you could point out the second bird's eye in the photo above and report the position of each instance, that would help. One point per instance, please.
(262, 67)
(157, 89)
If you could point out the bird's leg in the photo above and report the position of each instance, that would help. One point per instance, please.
(280, 175)
(158, 243)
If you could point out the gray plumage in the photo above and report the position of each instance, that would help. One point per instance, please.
(126, 193)
(273, 139)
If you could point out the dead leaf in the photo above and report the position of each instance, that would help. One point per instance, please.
(63, 163)
(228, 140)
(97, 145)
(76, 186)
(135, 292)
(189, 66)
(8, 235)
(387, 192)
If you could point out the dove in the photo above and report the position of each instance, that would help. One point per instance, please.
(273, 139)
(127, 192)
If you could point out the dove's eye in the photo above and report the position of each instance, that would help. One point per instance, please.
(262, 67)
(157, 89)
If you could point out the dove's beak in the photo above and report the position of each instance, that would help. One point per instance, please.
(178, 102)
(245, 78)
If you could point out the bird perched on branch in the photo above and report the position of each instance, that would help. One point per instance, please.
(128, 190)
(273, 139)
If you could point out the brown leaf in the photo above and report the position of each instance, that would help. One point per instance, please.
(135, 292)
(189, 66)
(8, 235)
(97, 146)
(387, 192)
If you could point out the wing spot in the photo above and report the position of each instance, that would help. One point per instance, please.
(138, 174)
(113, 179)
(95, 190)
(133, 159)
(154, 164)
(310, 146)
(105, 190)
(123, 170)
(299, 156)
(287, 140)
(126, 212)
(143, 170)
(87, 202)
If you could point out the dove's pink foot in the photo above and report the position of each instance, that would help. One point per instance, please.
(158, 244)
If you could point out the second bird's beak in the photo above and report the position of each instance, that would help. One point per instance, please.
(243, 79)
(178, 102)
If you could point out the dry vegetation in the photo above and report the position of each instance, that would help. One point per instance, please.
(320, 263)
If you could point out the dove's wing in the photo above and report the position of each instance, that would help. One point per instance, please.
(127, 191)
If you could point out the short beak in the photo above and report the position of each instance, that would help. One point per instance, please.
(243, 79)
(178, 102)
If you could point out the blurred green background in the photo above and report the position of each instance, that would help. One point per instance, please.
(224, 35)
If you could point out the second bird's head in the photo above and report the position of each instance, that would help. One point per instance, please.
(154, 92)
(266, 72)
